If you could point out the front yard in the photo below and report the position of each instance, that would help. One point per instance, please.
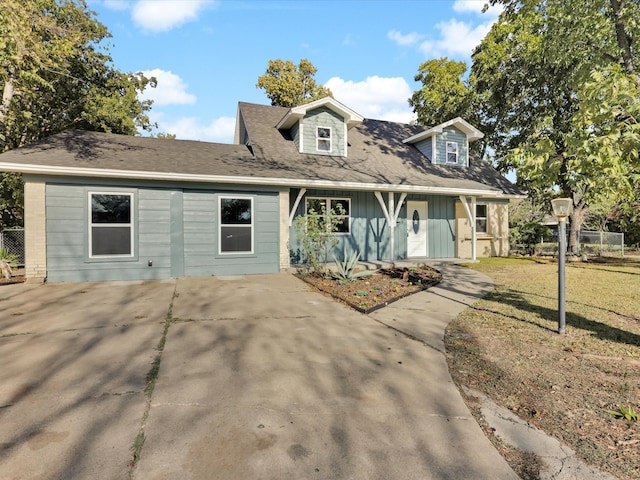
(506, 346)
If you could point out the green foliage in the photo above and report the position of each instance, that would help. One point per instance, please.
(316, 232)
(347, 266)
(444, 94)
(11, 199)
(288, 85)
(163, 135)
(528, 234)
(557, 90)
(624, 412)
(8, 257)
(55, 75)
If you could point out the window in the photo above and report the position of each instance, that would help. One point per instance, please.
(481, 219)
(323, 139)
(452, 152)
(110, 225)
(236, 225)
(338, 208)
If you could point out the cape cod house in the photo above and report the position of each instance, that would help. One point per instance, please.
(111, 207)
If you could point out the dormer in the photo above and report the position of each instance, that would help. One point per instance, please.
(447, 143)
(320, 127)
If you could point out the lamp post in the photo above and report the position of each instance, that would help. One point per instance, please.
(561, 209)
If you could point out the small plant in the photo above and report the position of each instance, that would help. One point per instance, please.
(624, 412)
(316, 232)
(7, 261)
(347, 267)
(362, 293)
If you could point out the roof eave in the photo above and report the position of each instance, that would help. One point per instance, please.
(469, 130)
(296, 113)
(243, 180)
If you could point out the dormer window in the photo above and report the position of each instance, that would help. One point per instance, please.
(452, 152)
(323, 139)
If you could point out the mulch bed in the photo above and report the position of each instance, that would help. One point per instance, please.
(371, 292)
(12, 280)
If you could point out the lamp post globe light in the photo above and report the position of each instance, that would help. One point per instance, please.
(561, 209)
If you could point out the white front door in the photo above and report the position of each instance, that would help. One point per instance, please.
(416, 229)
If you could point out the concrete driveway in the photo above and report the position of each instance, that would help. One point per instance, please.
(259, 378)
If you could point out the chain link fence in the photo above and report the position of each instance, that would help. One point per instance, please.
(601, 243)
(590, 243)
(13, 240)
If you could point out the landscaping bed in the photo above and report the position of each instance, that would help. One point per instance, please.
(371, 292)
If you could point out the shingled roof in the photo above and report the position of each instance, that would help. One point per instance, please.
(377, 159)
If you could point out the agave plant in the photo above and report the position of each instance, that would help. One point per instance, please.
(346, 268)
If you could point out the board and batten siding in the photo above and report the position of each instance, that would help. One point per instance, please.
(370, 232)
(175, 234)
(324, 117)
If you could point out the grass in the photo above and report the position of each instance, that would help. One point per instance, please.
(507, 346)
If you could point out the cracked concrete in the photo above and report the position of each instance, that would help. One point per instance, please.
(560, 461)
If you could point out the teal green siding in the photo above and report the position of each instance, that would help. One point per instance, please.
(441, 228)
(175, 234)
(323, 117)
(451, 134)
(426, 148)
(294, 132)
(370, 232)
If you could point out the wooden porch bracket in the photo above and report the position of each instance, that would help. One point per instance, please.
(391, 214)
(295, 205)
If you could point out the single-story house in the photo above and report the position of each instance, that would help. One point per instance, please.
(102, 206)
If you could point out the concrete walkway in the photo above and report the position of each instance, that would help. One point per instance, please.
(259, 378)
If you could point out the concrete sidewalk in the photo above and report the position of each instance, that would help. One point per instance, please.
(259, 378)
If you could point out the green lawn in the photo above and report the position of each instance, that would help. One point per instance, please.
(507, 346)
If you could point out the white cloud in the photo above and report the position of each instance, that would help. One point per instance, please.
(404, 40)
(456, 38)
(218, 130)
(476, 6)
(375, 97)
(155, 16)
(171, 89)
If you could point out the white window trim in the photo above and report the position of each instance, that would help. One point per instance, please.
(220, 224)
(486, 218)
(102, 225)
(446, 153)
(318, 139)
(327, 206)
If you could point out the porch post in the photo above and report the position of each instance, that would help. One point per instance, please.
(471, 217)
(391, 214)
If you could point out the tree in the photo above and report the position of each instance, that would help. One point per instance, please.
(288, 85)
(550, 77)
(55, 76)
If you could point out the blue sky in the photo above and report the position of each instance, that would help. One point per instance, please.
(208, 54)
